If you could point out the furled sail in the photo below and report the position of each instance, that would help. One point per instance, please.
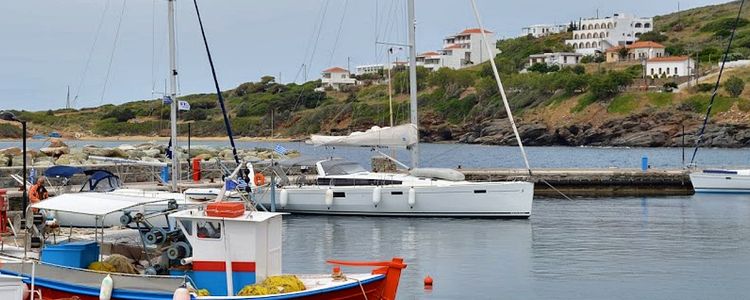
(397, 136)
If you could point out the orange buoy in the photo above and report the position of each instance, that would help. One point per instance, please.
(259, 179)
(428, 282)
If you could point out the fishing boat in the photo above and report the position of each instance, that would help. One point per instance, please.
(345, 188)
(217, 251)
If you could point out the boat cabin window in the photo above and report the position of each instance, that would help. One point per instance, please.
(341, 167)
(356, 182)
(208, 230)
(187, 225)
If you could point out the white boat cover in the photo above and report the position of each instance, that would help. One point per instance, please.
(94, 204)
(398, 136)
(438, 173)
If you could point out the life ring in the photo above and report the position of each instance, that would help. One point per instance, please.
(259, 179)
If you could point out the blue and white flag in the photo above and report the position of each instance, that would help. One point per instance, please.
(183, 105)
(280, 149)
(167, 99)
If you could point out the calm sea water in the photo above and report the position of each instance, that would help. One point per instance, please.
(635, 248)
(480, 156)
(695, 247)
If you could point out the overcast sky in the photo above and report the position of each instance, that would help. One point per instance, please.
(46, 43)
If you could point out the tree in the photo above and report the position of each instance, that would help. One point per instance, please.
(120, 114)
(623, 53)
(734, 86)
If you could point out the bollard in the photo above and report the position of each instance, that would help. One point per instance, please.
(644, 163)
(196, 169)
(3, 212)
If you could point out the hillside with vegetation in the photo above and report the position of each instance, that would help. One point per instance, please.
(594, 103)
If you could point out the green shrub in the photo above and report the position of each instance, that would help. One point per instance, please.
(583, 102)
(734, 86)
(623, 104)
(725, 24)
(660, 99)
(120, 114)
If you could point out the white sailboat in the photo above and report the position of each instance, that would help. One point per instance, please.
(721, 181)
(345, 188)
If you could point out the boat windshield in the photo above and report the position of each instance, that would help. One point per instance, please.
(341, 167)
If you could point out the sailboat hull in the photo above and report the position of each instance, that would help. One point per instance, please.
(721, 181)
(461, 199)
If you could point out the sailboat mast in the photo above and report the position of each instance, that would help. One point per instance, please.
(412, 23)
(173, 93)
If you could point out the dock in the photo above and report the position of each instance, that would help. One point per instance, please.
(612, 182)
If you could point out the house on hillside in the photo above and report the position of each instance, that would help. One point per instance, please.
(670, 66)
(557, 58)
(641, 50)
(597, 34)
(370, 69)
(541, 30)
(337, 78)
(464, 49)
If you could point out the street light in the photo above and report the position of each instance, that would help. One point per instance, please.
(9, 116)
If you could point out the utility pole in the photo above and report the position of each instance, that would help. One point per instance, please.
(348, 64)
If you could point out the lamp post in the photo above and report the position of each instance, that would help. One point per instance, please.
(9, 116)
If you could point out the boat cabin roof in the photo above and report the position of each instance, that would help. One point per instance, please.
(94, 204)
(248, 216)
(339, 167)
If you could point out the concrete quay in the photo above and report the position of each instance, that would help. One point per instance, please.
(612, 182)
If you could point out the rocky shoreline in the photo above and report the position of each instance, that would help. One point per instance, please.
(658, 129)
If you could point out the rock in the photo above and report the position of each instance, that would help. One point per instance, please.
(154, 153)
(106, 152)
(56, 142)
(55, 151)
(43, 163)
(72, 159)
(4, 161)
(17, 161)
(126, 147)
(12, 151)
(136, 154)
(204, 156)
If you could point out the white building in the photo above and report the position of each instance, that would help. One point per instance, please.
(464, 49)
(636, 51)
(557, 58)
(370, 69)
(337, 78)
(540, 30)
(670, 66)
(596, 35)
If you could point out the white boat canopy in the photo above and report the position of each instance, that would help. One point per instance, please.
(398, 136)
(94, 204)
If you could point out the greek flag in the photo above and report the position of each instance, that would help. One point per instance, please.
(183, 105)
(280, 149)
(167, 100)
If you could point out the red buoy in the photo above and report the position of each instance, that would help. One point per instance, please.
(428, 282)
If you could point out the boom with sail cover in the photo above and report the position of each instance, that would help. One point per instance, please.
(399, 136)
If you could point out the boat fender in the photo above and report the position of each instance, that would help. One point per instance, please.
(181, 294)
(105, 293)
(376, 195)
(412, 197)
(329, 198)
(259, 179)
(283, 198)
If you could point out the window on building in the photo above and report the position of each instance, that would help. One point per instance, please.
(652, 71)
(675, 70)
(647, 25)
(588, 35)
(565, 59)
(660, 71)
(575, 46)
(609, 25)
(638, 25)
(667, 70)
(596, 35)
(575, 36)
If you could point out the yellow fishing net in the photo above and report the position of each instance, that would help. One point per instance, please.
(115, 263)
(274, 285)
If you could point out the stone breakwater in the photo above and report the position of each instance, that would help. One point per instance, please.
(59, 153)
